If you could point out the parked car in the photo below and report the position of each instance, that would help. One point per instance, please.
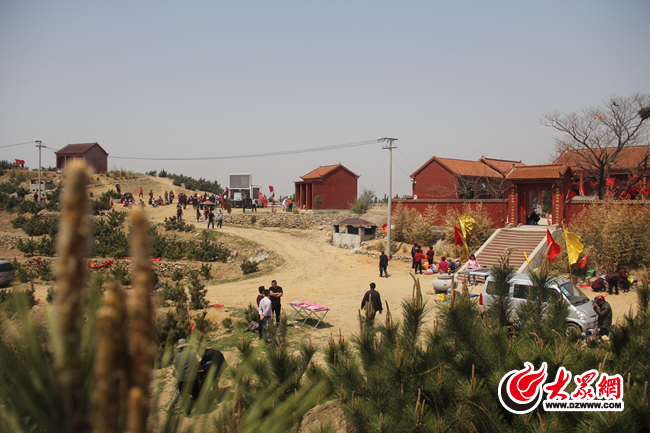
(7, 272)
(581, 313)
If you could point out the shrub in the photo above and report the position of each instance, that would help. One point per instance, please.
(97, 280)
(412, 226)
(248, 267)
(197, 292)
(227, 323)
(205, 271)
(253, 219)
(177, 275)
(363, 203)
(22, 274)
(37, 225)
(108, 240)
(104, 201)
(208, 251)
(44, 271)
(614, 235)
(162, 173)
(177, 224)
(120, 273)
(202, 324)
(171, 327)
(175, 294)
(482, 229)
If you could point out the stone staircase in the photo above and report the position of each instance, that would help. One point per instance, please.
(531, 239)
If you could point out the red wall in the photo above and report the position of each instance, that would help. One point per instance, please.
(434, 181)
(497, 209)
(97, 159)
(338, 190)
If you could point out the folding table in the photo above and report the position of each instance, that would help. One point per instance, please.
(309, 309)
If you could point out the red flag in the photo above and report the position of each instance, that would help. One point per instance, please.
(582, 263)
(458, 236)
(270, 188)
(20, 161)
(554, 249)
(570, 194)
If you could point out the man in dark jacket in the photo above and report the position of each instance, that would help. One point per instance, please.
(383, 264)
(604, 312)
(372, 298)
(623, 281)
(612, 282)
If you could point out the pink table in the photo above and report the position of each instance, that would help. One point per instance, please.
(309, 309)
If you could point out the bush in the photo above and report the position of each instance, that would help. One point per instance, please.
(37, 225)
(614, 235)
(44, 271)
(108, 240)
(253, 219)
(177, 224)
(412, 226)
(121, 274)
(177, 275)
(482, 229)
(208, 251)
(175, 294)
(248, 267)
(197, 292)
(205, 271)
(363, 203)
(104, 201)
(22, 274)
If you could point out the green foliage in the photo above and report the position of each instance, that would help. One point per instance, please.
(248, 267)
(104, 201)
(208, 251)
(22, 274)
(97, 280)
(363, 203)
(501, 274)
(541, 313)
(108, 240)
(37, 225)
(162, 173)
(197, 184)
(174, 294)
(205, 271)
(151, 173)
(44, 271)
(226, 322)
(177, 275)
(253, 219)
(177, 224)
(318, 202)
(197, 292)
(228, 206)
(11, 186)
(11, 204)
(53, 199)
(120, 273)
(171, 327)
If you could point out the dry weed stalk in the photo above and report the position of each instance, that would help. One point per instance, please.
(141, 324)
(71, 290)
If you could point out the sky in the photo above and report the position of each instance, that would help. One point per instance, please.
(205, 79)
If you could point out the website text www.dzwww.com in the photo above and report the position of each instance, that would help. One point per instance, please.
(583, 405)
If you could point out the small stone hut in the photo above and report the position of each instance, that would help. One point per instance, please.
(351, 232)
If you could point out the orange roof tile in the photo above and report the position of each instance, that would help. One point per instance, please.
(628, 159)
(324, 170)
(547, 171)
(501, 165)
(461, 167)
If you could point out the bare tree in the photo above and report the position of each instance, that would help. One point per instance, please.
(597, 137)
(472, 187)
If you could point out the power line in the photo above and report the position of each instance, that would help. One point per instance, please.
(256, 155)
(18, 144)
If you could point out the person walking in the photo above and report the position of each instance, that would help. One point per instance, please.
(372, 299)
(140, 194)
(219, 219)
(414, 250)
(430, 254)
(171, 196)
(119, 189)
(276, 294)
(198, 214)
(166, 197)
(210, 218)
(179, 212)
(383, 264)
(266, 314)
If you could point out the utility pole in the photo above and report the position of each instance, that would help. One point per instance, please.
(40, 146)
(390, 148)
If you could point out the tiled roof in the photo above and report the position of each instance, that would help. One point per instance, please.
(76, 149)
(356, 222)
(628, 159)
(501, 165)
(548, 171)
(324, 170)
(462, 167)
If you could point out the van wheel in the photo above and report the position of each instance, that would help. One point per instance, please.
(571, 327)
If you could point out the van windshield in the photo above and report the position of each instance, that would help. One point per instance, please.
(573, 294)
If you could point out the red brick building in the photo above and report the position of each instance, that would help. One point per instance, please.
(91, 153)
(335, 184)
(632, 160)
(452, 179)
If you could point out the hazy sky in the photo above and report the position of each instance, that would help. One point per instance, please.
(182, 79)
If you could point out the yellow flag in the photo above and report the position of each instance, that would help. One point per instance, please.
(526, 255)
(466, 224)
(573, 246)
